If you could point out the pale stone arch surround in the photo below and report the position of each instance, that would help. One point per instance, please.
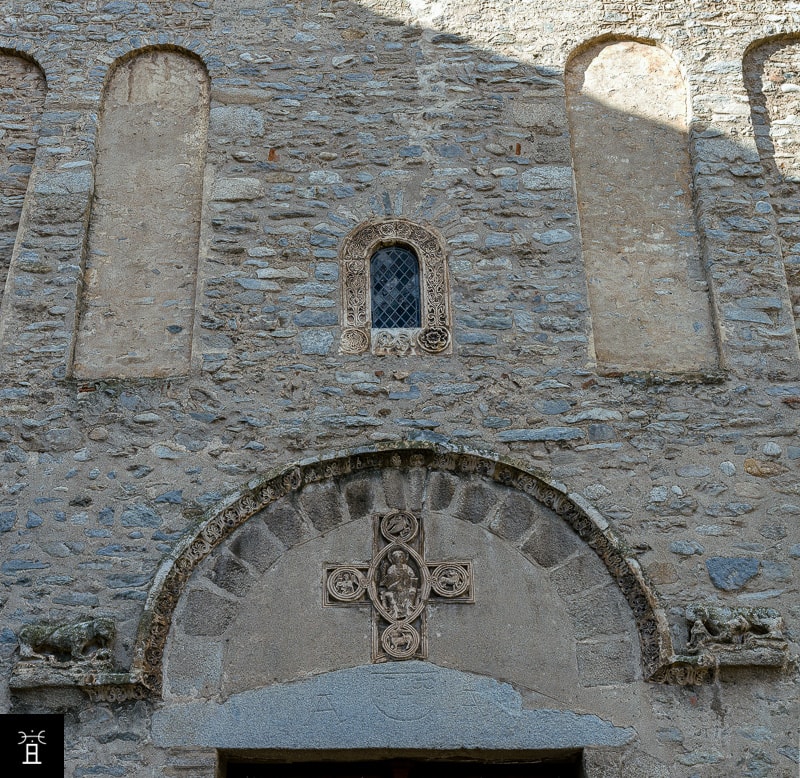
(138, 295)
(568, 550)
(627, 105)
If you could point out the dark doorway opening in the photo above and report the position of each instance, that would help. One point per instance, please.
(564, 767)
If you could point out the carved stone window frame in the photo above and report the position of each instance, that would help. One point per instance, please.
(435, 336)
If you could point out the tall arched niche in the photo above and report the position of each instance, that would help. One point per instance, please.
(137, 304)
(627, 110)
(22, 95)
(772, 77)
(552, 583)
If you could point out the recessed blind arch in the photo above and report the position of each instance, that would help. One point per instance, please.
(627, 109)
(772, 76)
(22, 94)
(140, 274)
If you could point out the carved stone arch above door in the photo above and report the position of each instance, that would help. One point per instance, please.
(541, 559)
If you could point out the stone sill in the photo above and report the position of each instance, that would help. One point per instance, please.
(711, 376)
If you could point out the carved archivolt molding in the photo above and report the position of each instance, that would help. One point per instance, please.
(656, 646)
(435, 335)
(719, 637)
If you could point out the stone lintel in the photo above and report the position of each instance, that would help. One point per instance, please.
(415, 705)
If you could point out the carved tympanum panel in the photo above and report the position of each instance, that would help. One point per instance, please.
(399, 583)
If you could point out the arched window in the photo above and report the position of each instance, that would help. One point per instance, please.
(395, 289)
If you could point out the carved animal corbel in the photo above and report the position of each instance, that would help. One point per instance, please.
(82, 641)
(737, 636)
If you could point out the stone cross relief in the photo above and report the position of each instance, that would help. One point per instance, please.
(399, 583)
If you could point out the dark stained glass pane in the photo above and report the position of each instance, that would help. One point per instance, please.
(394, 278)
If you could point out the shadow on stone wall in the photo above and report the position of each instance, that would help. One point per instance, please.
(22, 96)
(772, 77)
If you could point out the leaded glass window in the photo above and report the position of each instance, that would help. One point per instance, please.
(394, 281)
(395, 290)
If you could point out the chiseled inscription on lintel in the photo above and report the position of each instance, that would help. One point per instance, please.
(399, 583)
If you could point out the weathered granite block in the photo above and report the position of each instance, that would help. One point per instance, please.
(515, 516)
(441, 489)
(206, 614)
(359, 493)
(256, 545)
(230, 574)
(599, 611)
(602, 663)
(551, 541)
(478, 502)
(284, 521)
(322, 504)
(577, 573)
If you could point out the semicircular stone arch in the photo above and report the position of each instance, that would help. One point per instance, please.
(240, 601)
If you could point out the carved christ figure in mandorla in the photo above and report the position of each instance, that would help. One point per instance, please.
(398, 585)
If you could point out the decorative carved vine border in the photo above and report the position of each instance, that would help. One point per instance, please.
(171, 579)
(436, 333)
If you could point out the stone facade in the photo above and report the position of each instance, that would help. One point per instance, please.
(599, 414)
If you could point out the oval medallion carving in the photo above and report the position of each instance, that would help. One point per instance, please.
(399, 583)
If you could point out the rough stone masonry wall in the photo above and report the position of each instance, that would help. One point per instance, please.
(324, 115)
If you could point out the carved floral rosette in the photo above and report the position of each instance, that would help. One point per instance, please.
(651, 621)
(435, 334)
